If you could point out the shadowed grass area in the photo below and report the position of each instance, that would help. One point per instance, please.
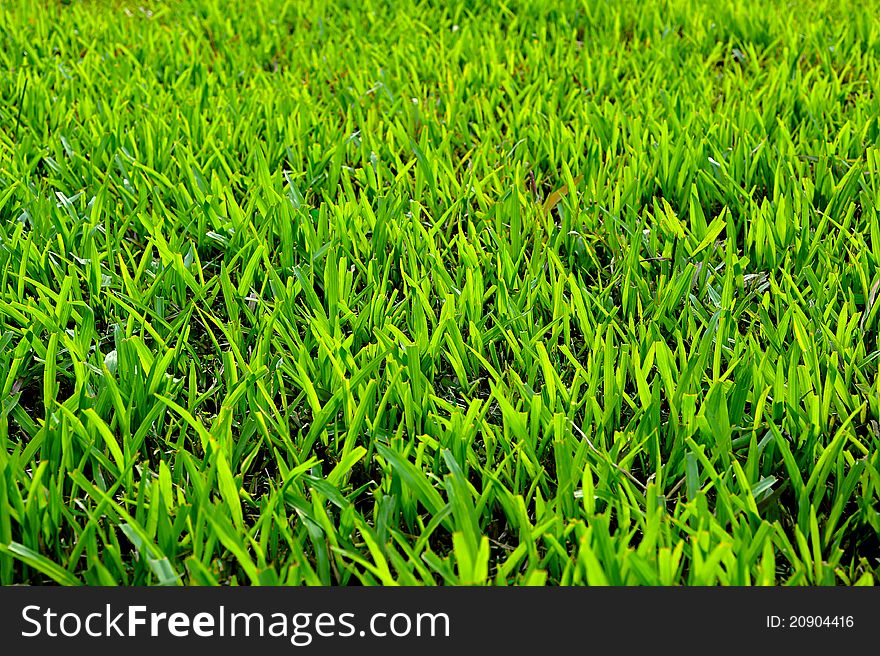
(439, 292)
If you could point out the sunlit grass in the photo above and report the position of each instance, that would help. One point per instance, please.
(439, 292)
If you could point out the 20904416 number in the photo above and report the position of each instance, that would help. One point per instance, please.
(818, 621)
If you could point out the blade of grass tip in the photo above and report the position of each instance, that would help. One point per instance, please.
(20, 106)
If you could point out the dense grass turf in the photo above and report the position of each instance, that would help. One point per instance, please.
(396, 292)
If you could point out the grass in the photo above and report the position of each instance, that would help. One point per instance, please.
(375, 292)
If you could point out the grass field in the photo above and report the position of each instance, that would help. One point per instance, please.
(504, 293)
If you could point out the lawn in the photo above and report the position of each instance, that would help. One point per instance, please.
(378, 292)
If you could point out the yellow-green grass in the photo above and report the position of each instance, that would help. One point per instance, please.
(370, 292)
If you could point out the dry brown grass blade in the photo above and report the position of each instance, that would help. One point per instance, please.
(554, 198)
